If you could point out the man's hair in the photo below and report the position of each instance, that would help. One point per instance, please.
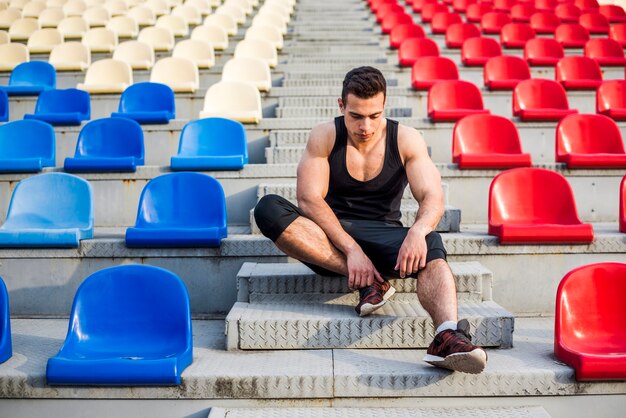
(363, 82)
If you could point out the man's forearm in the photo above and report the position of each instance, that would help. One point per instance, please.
(428, 216)
(320, 213)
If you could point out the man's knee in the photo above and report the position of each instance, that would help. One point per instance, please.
(273, 214)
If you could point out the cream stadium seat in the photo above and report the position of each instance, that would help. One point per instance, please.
(223, 21)
(249, 48)
(73, 27)
(4, 37)
(215, 35)
(18, 4)
(33, 9)
(12, 54)
(51, 17)
(22, 28)
(203, 6)
(139, 55)
(70, 56)
(8, 16)
(96, 16)
(176, 24)
(159, 7)
(282, 8)
(200, 52)
(249, 70)
(100, 40)
(233, 100)
(42, 41)
(191, 14)
(234, 11)
(181, 74)
(270, 19)
(143, 15)
(107, 76)
(246, 5)
(160, 39)
(265, 33)
(123, 26)
(116, 7)
(74, 8)
(56, 3)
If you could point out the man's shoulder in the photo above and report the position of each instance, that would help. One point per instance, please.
(410, 141)
(322, 137)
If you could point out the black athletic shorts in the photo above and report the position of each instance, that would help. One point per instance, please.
(380, 241)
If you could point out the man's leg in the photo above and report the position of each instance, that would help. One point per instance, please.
(436, 290)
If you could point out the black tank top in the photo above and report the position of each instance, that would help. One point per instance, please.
(375, 199)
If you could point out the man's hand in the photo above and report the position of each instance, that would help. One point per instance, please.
(361, 270)
(412, 254)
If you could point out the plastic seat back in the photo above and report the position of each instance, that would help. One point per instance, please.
(589, 329)
(249, 70)
(476, 51)
(144, 15)
(6, 346)
(160, 39)
(618, 33)
(107, 76)
(405, 31)
(8, 16)
(606, 51)
(181, 74)
(73, 27)
(139, 55)
(32, 77)
(493, 22)
(147, 103)
(544, 22)
(43, 40)
(578, 134)
(129, 325)
(116, 7)
(460, 6)
(587, 6)
(214, 35)
(72, 101)
(454, 94)
(504, 72)
(475, 11)
(233, 100)
(413, 48)
(504, 5)
(576, 72)
(34, 150)
(70, 56)
(539, 94)
(226, 22)
(111, 138)
(571, 35)
(428, 70)
(543, 51)
(387, 9)
(622, 205)
(13, 54)
(23, 28)
(594, 22)
(200, 52)
(158, 7)
(611, 99)
(189, 13)
(567, 12)
(442, 20)
(392, 19)
(521, 12)
(485, 134)
(266, 33)
(515, 35)
(430, 9)
(457, 33)
(4, 106)
(176, 24)
(96, 16)
(100, 40)
(613, 12)
(257, 48)
(123, 26)
(74, 7)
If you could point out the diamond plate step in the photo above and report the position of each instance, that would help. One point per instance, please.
(395, 101)
(425, 412)
(280, 326)
(288, 282)
(291, 154)
(332, 111)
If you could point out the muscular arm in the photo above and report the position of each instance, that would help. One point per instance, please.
(425, 184)
(312, 187)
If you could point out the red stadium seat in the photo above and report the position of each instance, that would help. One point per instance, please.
(399, 33)
(449, 101)
(594, 23)
(393, 19)
(534, 206)
(544, 22)
(375, 5)
(606, 51)
(487, 142)
(543, 52)
(504, 72)
(568, 12)
(515, 35)
(460, 6)
(589, 332)
(492, 22)
(429, 10)
(521, 12)
(457, 33)
(571, 35)
(540, 100)
(611, 99)
(476, 51)
(622, 206)
(614, 13)
(442, 20)
(476, 11)
(587, 6)
(386, 9)
(419, 4)
(578, 73)
(618, 33)
(429, 70)
(546, 5)
(503, 5)
(413, 48)
(589, 141)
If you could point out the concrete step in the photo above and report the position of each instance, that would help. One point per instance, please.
(295, 282)
(391, 102)
(333, 111)
(423, 412)
(289, 325)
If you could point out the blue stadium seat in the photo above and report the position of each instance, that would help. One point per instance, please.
(49, 210)
(6, 350)
(4, 106)
(109, 144)
(147, 103)
(211, 144)
(62, 107)
(180, 210)
(31, 78)
(129, 325)
(26, 146)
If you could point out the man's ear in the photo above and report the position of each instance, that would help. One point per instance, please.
(340, 103)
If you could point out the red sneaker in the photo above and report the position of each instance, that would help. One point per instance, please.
(373, 297)
(454, 350)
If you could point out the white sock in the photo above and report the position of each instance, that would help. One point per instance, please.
(446, 325)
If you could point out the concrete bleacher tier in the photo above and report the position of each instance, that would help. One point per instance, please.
(293, 345)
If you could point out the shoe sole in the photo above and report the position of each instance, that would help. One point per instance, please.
(472, 362)
(368, 308)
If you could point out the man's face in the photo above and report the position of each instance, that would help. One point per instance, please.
(363, 117)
